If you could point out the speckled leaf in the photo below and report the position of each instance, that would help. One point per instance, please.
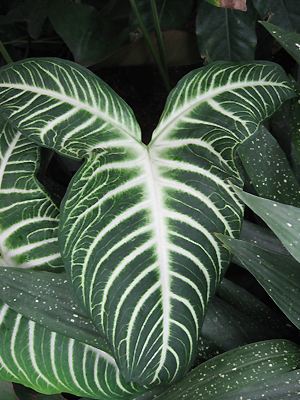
(225, 34)
(228, 372)
(277, 273)
(242, 318)
(290, 41)
(283, 219)
(283, 387)
(268, 168)
(47, 299)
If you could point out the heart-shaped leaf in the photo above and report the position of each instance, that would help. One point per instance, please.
(137, 223)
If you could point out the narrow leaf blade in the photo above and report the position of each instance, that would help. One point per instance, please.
(283, 219)
(277, 273)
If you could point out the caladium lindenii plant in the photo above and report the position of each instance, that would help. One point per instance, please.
(136, 229)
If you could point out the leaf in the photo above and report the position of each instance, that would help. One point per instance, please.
(46, 298)
(234, 4)
(28, 217)
(284, 386)
(227, 374)
(283, 13)
(257, 234)
(172, 16)
(295, 130)
(7, 391)
(90, 36)
(225, 34)
(278, 274)
(137, 222)
(51, 363)
(283, 219)
(290, 41)
(268, 168)
(242, 319)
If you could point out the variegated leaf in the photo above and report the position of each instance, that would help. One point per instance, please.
(28, 217)
(51, 363)
(138, 222)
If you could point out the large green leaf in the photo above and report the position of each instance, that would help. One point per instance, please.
(277, 273)
(268, 168)
(137, 222)
(28, 217)
(51, 363)
(225, 376)
(283, 219)
(225, 34)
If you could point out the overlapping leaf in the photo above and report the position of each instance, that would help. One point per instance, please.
(277, 273)
(28, 217)
(137, 222)
(225, 34)
(51, 363)
(228, 375)
(283, 219)
(47, 298)
(290, 41)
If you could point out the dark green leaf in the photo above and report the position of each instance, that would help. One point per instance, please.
(225, 34)
(285, 386)
(283, 219)
(171, 13)
(284, 13)
(278, 274)
(295, 133)
(47, 299)
(90, 36)
(290, 41)
(230, 371)
(261, 236)
(242, 319)
(268, 168)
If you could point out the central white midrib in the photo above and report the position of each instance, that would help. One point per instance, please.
(160, 232)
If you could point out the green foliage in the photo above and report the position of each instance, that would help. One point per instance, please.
(225, 34)
(128, 270)
(274, 272)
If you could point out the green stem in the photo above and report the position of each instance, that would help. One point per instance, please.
(7, 58)
(150, 45)
(159, 38)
